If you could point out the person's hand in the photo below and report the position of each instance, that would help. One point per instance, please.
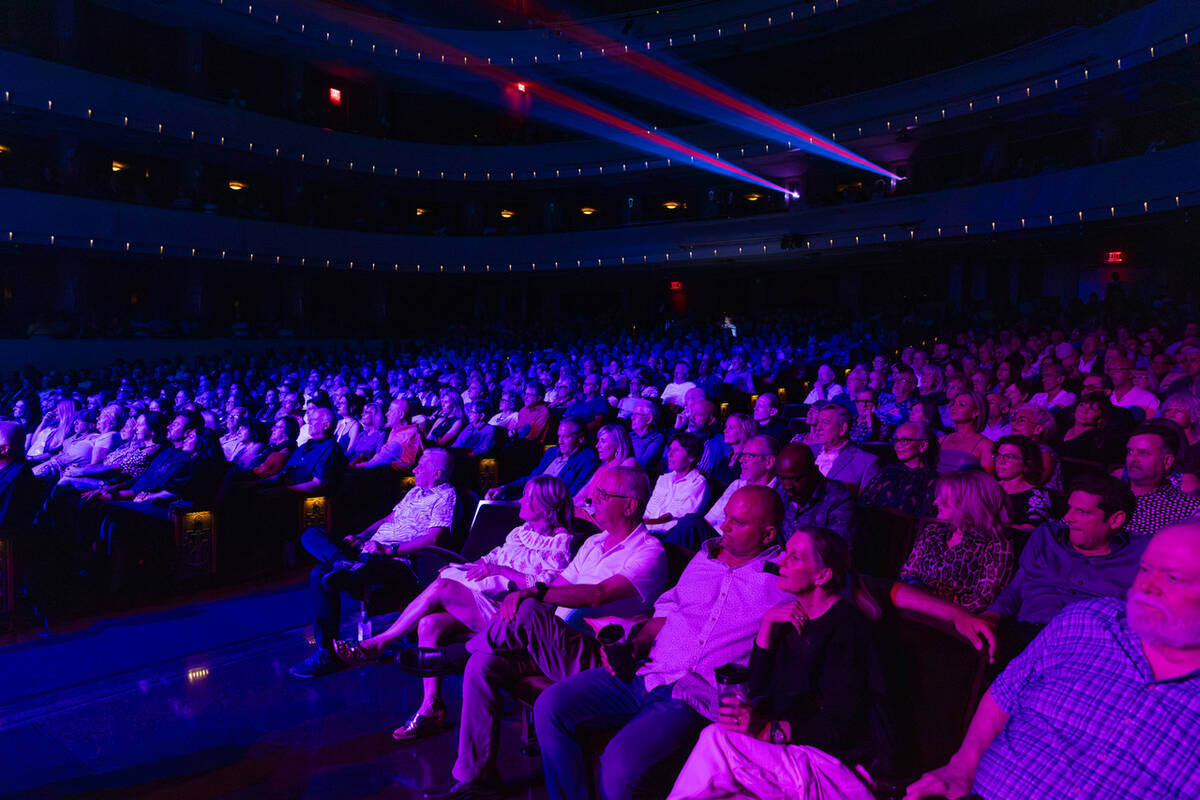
(351, 541)
(478, 571)
(509, 605)
(93, 495)
(949, 781)
(492, 494)
(141, 497)
(739, 717)
(372, 547)
(980, 631)
(789, 613)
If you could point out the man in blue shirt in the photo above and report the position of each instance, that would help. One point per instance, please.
(592, 407)
(1104, 703)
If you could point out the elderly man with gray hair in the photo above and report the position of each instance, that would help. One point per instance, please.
(838, 458)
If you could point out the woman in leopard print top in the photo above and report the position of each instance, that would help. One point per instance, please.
(965, 555)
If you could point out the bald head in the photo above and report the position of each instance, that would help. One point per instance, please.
(753, 518)
(796, 468)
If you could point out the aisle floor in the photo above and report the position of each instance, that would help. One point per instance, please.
(197, 702)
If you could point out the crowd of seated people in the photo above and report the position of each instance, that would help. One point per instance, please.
(1020, 503)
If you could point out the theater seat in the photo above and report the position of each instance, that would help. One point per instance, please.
(883, 540)
(934, 681)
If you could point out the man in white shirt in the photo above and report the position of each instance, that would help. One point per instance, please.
(1125, 394)
(420, 518)
(674, 391)
(1053, 395)
(758, 468)
(615, 577)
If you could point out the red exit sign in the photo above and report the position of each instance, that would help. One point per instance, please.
(1115, 257)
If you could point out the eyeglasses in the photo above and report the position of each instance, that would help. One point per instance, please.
(905, 440)
(1007, 457)
(747, 454)
(603, 495)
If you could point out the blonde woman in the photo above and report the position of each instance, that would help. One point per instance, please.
(465, 597)
(739, 429)
(966, 447)
(615, 448)
(964, 555)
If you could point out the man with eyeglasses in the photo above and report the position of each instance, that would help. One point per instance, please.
(534, 415)
(549, 629)
(1125, 394)
(647, 443)
(708, 619)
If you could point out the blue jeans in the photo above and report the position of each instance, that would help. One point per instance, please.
(656, 734)
(338, 573)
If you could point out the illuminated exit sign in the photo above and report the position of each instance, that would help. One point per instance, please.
(1115, 257)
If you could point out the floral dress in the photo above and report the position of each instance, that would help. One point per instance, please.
(540, 557)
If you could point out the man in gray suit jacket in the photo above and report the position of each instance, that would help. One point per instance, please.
(838, 458)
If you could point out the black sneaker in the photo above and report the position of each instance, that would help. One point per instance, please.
(462, 790)
(321, 662)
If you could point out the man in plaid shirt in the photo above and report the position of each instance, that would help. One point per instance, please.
(1104, 703)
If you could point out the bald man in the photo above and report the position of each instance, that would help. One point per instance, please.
(1104, 703)
(812, 500)
(707, 620)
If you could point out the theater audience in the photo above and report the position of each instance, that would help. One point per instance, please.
(907, 485)
(1149, 462)
(422, 517)
(444, 425)
(867, 425)
(810, 499)
(647, 442)
(1018, 464)
(894, 405)
(615, 449)
(725, 453)
(478, 435)
(1108, 654)
(613, 579)
(964, 554)
(966, 447)
(371, 434)
(1037, 424)
(404, 443)
(571, 459)
(838, 458)
(815, 692)
(534, 417)
(465, 597)
(674, 392)
(708, 619)
(679, 491)
(1125, 394)
(767, 411)
(1184, 410)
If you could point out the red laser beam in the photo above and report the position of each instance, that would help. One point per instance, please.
(682, 80)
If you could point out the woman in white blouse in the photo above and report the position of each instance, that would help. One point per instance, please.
(465, 596)
(680, 491)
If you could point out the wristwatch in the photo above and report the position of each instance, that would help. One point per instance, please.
(539, 590)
